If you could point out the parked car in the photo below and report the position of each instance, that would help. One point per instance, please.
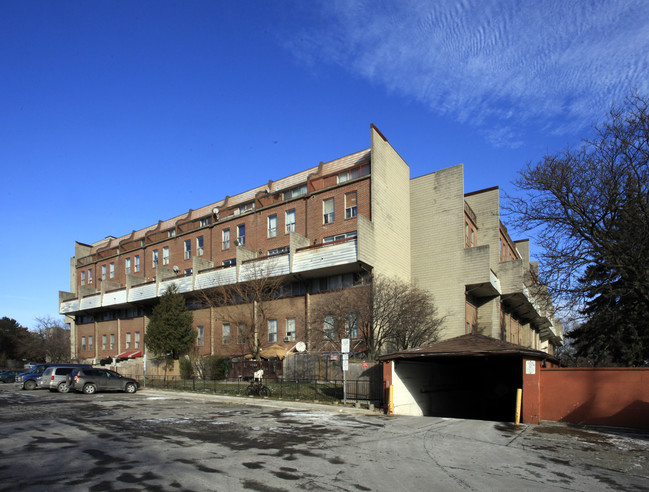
(29, 380)
(55, 378)
(8, 376)
(90, 381)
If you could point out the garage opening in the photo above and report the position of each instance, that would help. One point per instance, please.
(469, 377)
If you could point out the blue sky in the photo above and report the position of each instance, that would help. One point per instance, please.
(114, 115)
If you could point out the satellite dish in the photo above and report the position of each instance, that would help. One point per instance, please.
(176, 269)
(215, 210)
(300, 346)
(236, 242)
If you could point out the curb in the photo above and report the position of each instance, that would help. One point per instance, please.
(263, 402)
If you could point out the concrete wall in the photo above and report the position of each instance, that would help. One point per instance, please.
(437, 245)
(594, 396)
(408, 379)
(390, 210)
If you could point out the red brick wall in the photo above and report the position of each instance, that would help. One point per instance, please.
(309, 223)
(202, 318)
(612, 396)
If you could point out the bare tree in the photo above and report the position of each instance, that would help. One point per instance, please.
(589, 210)
(247, 305)
(49, 341)
(388, 314)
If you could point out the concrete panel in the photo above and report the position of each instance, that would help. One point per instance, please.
(142, 292)
(325, 257)
(114, 298)
(408, 380)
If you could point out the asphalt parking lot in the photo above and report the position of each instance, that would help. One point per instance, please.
(160, 441)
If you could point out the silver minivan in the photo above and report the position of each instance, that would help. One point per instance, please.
(55, 378)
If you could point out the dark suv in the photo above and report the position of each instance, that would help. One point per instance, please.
(92, 380)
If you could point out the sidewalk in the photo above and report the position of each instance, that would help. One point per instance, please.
(266, 402)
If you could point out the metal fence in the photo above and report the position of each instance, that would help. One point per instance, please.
(358, 390)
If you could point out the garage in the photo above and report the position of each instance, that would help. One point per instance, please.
(471, 377)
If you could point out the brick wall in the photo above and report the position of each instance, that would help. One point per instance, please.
(596, 396)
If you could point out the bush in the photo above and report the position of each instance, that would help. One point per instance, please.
(215, 367)
(186, 368)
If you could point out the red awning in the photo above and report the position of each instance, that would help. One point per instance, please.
(130, 354)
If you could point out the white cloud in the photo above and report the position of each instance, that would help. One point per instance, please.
(492, 63)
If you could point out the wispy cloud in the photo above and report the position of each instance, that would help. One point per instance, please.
(494, 64)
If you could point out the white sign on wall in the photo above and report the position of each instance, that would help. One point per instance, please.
(530, 367)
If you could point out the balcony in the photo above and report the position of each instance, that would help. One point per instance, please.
(310, 261)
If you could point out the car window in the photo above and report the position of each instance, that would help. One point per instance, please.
(37, 369)
(113, 374)
(47, 372)
(61, 371)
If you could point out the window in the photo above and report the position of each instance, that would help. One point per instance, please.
(112, 270)
(226, 238)
(188, 249)
(295, 192)
(127, 265)
(350, 204)
(103, 272)
(137, 263)
(290, 329)
(199, 246)
(245, 208)
(83, 278)
(335, 282)
(200, 338)
(155, 258)
(329, 327)
(241, 334)
(328, 210)
(188, 271)
(104, 342)
(354, 173)
(90, 343)
(171, 233)
(206, 221)
(339, 237)
(83, 343)
(278, 251)
(90, 276)
(470, 233)
(272, 330)
(128, 339)
(165, 255)
(351, 325)
(272, 225)
(226, 333)
(137, 339)
(112, 341)
(232, 262)
(290, 220)
(241, 234)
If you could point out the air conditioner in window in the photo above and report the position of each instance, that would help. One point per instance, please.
(287, 339)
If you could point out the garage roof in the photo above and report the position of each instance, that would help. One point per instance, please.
(469, 346)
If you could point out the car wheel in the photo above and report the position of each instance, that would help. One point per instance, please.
(130, 388)
(63, 388)
(89, 389)
(30, 385)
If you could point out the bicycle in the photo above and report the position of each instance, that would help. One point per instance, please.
(257, 388)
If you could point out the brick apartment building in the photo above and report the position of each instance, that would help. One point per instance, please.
(324, 228)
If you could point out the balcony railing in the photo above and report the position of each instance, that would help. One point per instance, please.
(311, 258)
